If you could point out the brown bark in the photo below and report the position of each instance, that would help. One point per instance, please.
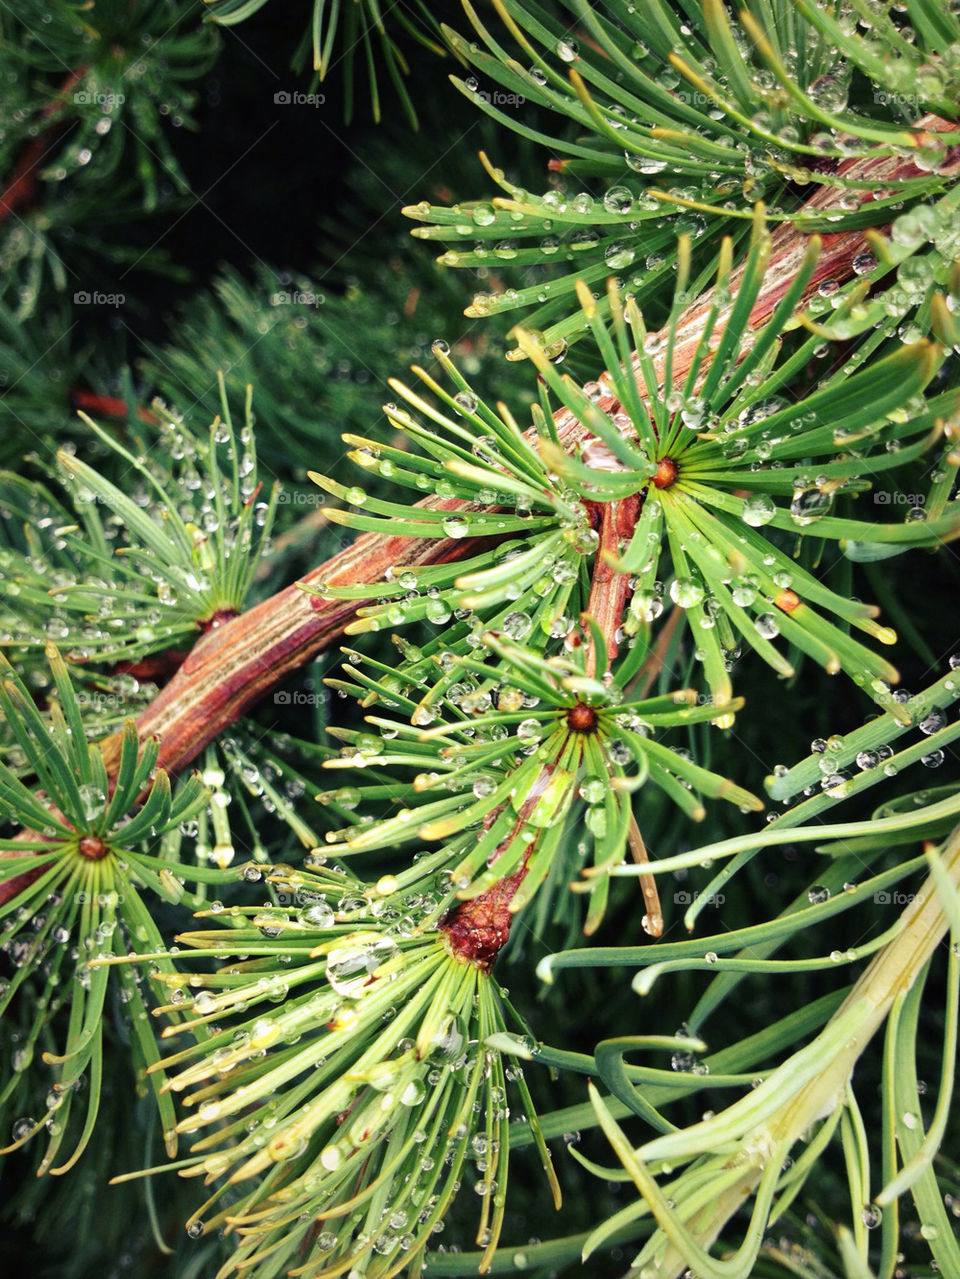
(234, 664)
(610, 589)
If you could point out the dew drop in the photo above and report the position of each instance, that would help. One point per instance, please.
(933, 722)
(466, 401)
(759, 509)
(618, 200)
(318, 914)
(685, 592)
(767, 625)
(414, 1093)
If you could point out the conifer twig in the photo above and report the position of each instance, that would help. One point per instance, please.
(234, 665)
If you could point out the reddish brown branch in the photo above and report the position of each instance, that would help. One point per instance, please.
(107, 405)
(609, 589)
(477, 929)
(233, 665)
(19, 190)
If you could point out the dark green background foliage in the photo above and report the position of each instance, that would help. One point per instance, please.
(218, 229)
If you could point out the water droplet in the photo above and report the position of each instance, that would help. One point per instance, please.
(933, 722)
(744, 590)
(484, 785)
(593, 789)
(466, 401)
(871, 1216)
(349, 968)
(759, 509)
(92, 799)
(646, 164)
(21, 1127)
(528, 730)
(685, 592)
(414, 1093)
(437, 611)
(318, 914)
(517, 625)
(809, 505)
(619, 255)
(618, 200)
(767, 625)
(347, 797)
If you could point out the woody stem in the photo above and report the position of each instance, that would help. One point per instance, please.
(609, 588)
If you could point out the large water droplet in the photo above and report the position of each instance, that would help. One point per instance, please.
(759, 509)
(350, 968)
